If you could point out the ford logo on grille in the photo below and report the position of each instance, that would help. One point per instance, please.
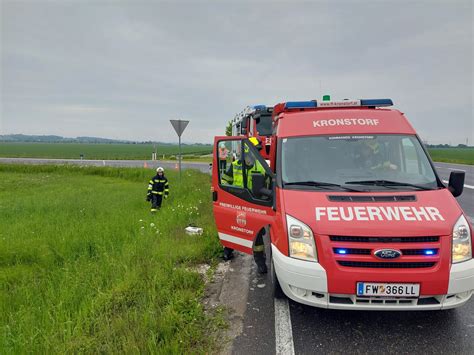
(388, 253)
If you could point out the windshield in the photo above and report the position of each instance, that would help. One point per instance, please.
(264, 125)
(374, 162)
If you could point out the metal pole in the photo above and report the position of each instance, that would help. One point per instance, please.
(179, 158)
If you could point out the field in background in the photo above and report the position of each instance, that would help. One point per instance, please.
(97, 151)
(143, 152)
(85, 267)
(453, 155)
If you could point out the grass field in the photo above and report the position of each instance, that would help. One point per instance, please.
(84, 266)
(95, 151)
(453, 155)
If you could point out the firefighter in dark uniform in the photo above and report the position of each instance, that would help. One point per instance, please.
(233, 176)
(157, 189)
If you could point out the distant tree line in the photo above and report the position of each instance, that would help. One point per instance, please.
(13, 138)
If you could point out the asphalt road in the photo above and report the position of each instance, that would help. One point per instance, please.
(313, 330)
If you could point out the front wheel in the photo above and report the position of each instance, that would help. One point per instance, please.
(276, 288)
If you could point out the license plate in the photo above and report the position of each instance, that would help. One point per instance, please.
(387, 289)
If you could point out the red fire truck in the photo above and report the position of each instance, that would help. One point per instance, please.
(255, 121)
(356, 214)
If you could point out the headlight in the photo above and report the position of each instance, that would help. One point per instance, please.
(462, 248)
(300, 240)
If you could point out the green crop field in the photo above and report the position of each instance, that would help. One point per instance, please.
(85, 267)
(453, 155)
(96, 151)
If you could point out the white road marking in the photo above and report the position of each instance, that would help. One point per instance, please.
(283, 331)
(466, 186)
(442, 167)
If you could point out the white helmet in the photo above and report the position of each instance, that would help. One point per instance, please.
(160, 170)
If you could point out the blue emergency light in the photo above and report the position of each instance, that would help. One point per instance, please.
(300, 104)
(340, 251)
(376, 102)
(430, 252)
(343, 103)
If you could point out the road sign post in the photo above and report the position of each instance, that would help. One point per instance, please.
(179, 126)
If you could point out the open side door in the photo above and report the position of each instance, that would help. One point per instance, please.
(240, 211)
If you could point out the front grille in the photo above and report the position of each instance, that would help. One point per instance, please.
(385, 265)
(366, 198)
(419, 252)
(343, 238)
(352, 251)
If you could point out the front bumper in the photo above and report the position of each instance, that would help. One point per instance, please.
(306, 282)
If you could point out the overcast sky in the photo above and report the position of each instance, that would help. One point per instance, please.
(123, 69)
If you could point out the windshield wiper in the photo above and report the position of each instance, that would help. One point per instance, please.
(386, 183)
(320, 184)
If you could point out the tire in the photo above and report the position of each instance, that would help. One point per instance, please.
(276, 288)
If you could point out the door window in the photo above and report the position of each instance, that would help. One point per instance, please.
(240, 165)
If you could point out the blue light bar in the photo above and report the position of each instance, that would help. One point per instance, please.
(340, 251)
(376, 102)
(260, 107)
(300, 104)
(334, 104)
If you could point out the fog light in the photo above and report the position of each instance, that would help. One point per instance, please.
(300, 292)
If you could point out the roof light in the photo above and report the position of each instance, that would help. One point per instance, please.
(326, 98)
(340, 103)
(300, 104)
(376, 102)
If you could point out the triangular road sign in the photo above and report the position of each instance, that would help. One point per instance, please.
(179, 126)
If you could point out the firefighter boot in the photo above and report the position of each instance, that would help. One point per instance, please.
(228, 254)
(259, 257)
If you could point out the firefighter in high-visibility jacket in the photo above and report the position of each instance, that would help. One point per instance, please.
(158, 188)
(234, 176)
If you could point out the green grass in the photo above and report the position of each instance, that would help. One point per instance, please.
(82, 268)
(96, 151)
(453, 155)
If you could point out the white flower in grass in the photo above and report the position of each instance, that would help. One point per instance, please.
(152, 225)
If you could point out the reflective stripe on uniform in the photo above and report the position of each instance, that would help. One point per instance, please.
(157, 192)
(258, 248)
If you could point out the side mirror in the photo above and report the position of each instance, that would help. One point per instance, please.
(258, 186)
(456, 182)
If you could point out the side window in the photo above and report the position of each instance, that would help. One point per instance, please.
(240, 168)
(227, 152)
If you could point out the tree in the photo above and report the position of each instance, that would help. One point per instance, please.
(228, 129)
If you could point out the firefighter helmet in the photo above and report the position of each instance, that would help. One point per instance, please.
(160, 170)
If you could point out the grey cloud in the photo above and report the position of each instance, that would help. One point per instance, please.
(123, 69)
